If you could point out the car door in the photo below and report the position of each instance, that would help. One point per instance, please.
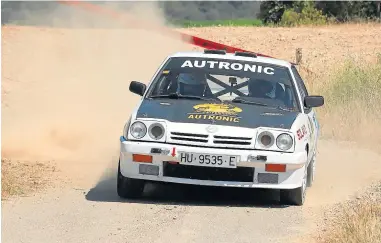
(313, 124)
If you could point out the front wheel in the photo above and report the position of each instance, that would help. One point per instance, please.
(311, 171)
(129, 188)
(294, 196)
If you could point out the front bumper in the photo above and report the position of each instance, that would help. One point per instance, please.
(249, 172)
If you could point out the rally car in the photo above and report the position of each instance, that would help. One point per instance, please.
(222, 119)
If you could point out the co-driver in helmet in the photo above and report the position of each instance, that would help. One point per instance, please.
(193, 84)
(260, 88)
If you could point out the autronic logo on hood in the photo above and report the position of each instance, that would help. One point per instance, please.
(226, 114)
(219, 112)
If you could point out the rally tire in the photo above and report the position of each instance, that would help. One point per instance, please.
(129, 188)
(295, 197)
(311, 171)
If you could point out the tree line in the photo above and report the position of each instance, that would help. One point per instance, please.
(21, 11)
(338, 11)
(267, 11)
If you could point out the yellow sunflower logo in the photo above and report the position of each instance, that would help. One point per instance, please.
(218, 109)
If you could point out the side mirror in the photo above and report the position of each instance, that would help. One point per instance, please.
(137, 88)
(313, 101)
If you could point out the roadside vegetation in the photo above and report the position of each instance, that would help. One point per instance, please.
(213, 23)
(299, 13)
(358, 221)
(352, 95)
(352, 112)
(23, 178)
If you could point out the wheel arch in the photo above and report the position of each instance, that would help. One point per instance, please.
(307, 149)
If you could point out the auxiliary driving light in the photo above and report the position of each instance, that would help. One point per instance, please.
(266, 139)
(156, 131)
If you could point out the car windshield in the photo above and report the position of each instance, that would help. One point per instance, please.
(226, 81)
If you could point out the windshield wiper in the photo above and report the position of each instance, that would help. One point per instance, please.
(284, 108)
(241, 100)
(180, 96)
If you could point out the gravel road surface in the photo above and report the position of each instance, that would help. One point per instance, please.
(65, 92)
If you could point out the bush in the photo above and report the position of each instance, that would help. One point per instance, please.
(290, 18)
(271, 11)
(303, 13)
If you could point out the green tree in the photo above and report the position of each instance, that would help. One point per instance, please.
(303, 13)
(272, 11)
(348, 10)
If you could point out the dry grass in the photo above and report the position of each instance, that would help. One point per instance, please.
(352, 110)
(21, 178)
(357, 222)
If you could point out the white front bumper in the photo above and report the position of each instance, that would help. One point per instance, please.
(292, 178)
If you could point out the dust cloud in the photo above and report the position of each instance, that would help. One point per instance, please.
(65, 90)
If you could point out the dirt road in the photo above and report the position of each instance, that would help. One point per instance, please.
(88, 212)
(66, 98)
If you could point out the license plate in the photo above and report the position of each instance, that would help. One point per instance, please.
(211, 160)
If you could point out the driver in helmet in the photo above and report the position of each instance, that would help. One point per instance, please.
(260, 88)
(193, 84)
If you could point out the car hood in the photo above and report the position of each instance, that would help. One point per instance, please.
(206, 112)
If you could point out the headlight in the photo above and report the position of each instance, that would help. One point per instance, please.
(284, 141)
(138, 130)
(156, 131)
(266, 139)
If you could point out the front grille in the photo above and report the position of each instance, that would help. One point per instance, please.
(231, 140)
(191, 137)
(190, 134)
(241, 174)
(226, 137)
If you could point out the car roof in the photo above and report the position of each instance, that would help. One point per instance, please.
(231, 56)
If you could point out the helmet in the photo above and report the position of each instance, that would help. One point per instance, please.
(192, 84)
(192, 78)
(260, 88)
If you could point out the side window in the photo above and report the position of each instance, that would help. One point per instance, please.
(299, 81)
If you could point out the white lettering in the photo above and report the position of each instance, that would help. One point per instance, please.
(259, 70)
(251, 68)
(227, 66)
(266, 70)
(187, 63)
(196, 64)
(236, 66)
(224, 65)
(212, 63)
